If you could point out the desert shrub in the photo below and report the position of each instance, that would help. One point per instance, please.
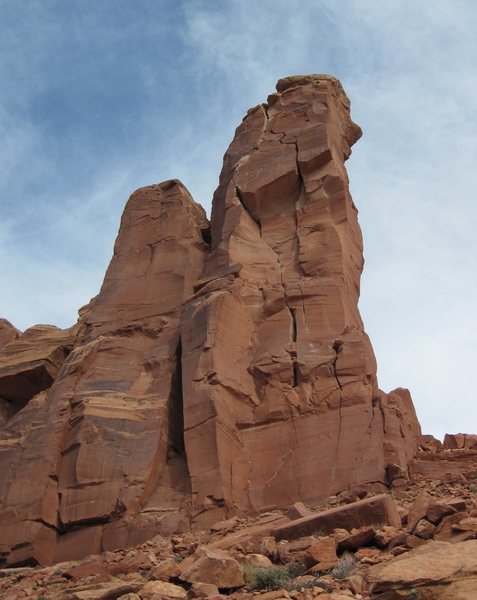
(295, 569)
(266, 578)
(309, 585)
(344, 567)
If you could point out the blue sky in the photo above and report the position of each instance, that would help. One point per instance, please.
(101, 97)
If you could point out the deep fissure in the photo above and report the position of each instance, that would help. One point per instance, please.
(175, 434)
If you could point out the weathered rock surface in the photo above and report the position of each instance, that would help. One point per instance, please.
(7, 332)
(213, 566)
(435, 570)
(106, 440)
(378, 509)
(276, 362)
(371, 571)
(30, 362)
(207, 381)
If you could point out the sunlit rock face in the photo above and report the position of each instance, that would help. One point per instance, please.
(223, 368)
(280, 393)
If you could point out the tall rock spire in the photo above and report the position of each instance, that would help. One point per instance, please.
(280, 393)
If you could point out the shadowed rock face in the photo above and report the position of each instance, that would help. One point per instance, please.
(204, 381)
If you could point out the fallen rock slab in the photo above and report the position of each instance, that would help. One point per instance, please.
(376, 510)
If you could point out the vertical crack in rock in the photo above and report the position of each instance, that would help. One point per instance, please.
(175, 436)
(337, 347)
(267, 116)
(294, 348)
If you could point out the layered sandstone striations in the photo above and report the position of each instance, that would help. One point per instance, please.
(217, 372)
(95, 446)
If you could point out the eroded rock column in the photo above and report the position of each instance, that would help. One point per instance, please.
(280, 391)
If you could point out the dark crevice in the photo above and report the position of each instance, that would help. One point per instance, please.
(175, 434)
(206, 234)
(265, 110)
(294, 328)
(296, 372)
(337, 347)
(49, 525)
(238, 193)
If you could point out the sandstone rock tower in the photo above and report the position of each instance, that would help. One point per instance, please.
(221, 370)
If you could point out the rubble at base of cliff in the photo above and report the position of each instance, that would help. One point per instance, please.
(430, 554)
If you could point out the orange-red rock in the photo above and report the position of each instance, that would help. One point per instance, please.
(426, 569)
(214, 566)
(7, 332)
(378, 509)
(30, 362)
(107, 439)
(460, 440)
(207, 382)
(276, 362)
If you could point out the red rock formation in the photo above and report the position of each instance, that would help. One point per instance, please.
(280, 394)
(203, 383)
(7, 332)
(29, 364)
(108, 433)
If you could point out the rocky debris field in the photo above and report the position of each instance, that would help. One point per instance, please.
(416, 540)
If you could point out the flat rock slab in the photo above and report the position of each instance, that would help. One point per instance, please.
(433, 564)
(376, 510)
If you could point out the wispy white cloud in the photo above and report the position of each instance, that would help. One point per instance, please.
(154, 92)
(409, 69)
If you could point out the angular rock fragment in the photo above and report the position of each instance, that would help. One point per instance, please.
(376, 510)
(161, 589)
(213, 566)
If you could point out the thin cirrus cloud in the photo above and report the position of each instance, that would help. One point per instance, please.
(101, 98)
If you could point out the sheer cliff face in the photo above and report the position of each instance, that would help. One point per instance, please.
(207, 379)
(280, 393)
